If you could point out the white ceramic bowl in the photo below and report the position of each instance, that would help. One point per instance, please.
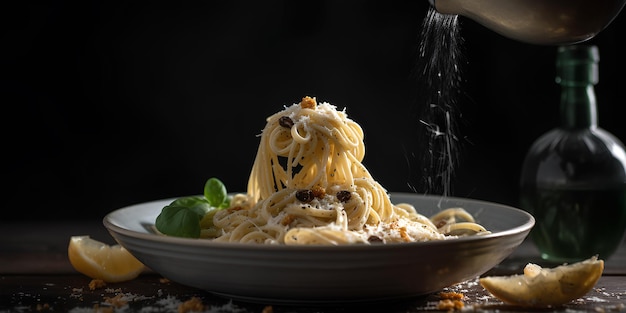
(324, 274)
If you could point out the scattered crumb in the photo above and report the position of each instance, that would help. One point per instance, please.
(77, 293)
(614, 308)
(594, 299)
(450, 305)
(192, 305)
(118, 301)
(96, 283)
(450, 301)
(98, 309)
(268, 309)
(42, 307)
(451, 295)
(164, 280)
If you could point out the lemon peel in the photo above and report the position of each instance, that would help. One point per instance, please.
(546, 287)
(110, 263)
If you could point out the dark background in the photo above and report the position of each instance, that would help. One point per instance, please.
(107, 105)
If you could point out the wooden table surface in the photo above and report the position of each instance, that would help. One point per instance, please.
(35, 275)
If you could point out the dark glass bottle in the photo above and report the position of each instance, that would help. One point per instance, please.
(573, 179)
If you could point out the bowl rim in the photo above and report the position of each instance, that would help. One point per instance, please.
(525, 226)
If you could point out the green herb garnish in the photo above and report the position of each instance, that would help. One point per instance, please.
(182, 217)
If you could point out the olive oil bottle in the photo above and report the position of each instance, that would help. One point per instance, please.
(573, 178)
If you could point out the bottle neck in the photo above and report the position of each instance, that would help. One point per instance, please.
(578, 106)
(577, 73)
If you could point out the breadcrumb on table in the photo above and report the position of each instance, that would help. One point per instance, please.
(451, 295)
(96, 283)
(42, 307)
(451, 301)
(164, 280)
(118, 301)
(192, 305)
(449, 305)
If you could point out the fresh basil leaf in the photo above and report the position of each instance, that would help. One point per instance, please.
(215, 192)
(225, 204)
(178, 221)
(197, 204)
(184, 217)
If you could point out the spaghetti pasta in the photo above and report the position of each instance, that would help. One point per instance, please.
(308, 186)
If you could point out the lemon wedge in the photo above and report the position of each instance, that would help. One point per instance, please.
(110, 263)
(546, 287)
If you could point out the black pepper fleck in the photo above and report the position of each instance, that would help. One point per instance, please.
(374, 239)
(305, 195)
(285, 121)
(344, 196)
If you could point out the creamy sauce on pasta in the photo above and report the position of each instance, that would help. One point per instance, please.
(308, 186)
